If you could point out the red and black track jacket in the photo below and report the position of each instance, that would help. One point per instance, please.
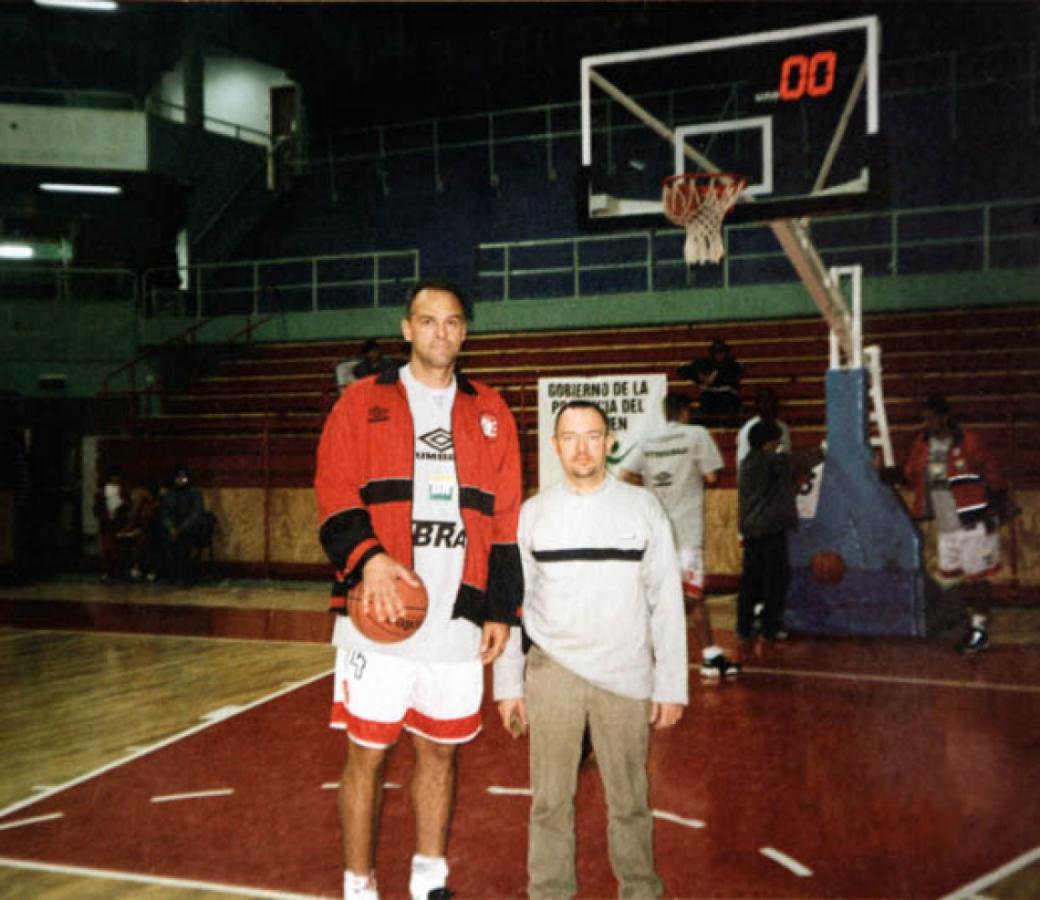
(974, 473)
(364, 485)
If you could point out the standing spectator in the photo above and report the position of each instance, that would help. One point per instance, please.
(767, 409)
(418, 476)
(111, 509)
(957, 481)
(186, 526)
(603, 610)
(675, 461)
(766, 506)
(718, 376)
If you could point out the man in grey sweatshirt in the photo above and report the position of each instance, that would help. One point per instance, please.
(603, 614)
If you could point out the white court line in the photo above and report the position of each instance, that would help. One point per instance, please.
(894, 679)
(508, 791)
(187, 884)
(679, 820)
(334, 786)
(34, 820)
(159, 745)
(193, 795)
(991, 878)
(788, 862)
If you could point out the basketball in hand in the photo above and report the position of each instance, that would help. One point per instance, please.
(415, 602)
(827, 567)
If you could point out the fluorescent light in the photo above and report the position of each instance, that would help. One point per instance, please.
(87, 5)
(16, 251)
(58, 188)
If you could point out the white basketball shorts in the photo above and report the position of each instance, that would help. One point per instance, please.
(691, 570)
(969, 553)
(375, 696)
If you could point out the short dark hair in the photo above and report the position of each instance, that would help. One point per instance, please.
(439, 284)
(674, 404)
(580, 404)
(762, 433)
(370, 345)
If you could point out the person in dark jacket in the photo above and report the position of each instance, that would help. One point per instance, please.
(718, 376)
(766, 505)
(185, 523)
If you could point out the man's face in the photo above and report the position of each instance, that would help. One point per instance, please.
(436, 328)
(581, 442)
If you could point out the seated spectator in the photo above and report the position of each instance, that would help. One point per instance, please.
(143, 534)
(767, 409)
(718, 376)
(111, 509)
(187, 527)
(371, 362)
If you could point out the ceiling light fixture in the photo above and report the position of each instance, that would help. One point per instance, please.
(16, 251)
(55, 187)
(83, 5)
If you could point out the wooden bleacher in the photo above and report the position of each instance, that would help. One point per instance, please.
(256, 422)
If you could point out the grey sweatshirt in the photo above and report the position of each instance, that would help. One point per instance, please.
(602, 594)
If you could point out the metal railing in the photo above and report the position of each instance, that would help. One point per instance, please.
(945, 77)
(56, 282)
(141, 376)
(288, 284)
(937, 239)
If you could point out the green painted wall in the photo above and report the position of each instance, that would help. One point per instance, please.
(87, 341)
(83, 341)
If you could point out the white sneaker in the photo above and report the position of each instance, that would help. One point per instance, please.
(360, 887)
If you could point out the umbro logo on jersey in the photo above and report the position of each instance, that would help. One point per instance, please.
(438, 534)
(439, 439)
(378, 414)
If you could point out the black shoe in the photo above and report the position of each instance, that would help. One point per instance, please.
(975, 640)
(719, 666)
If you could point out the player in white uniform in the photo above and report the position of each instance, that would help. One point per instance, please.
(675, 461)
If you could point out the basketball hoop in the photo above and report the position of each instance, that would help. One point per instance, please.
(698, 202)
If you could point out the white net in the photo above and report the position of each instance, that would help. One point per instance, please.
(698, 202)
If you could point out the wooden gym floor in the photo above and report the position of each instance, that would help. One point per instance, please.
(831, 768)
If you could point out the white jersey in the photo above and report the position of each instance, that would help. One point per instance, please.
(672, 461)
(438, 535)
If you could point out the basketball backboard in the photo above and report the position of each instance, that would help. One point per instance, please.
(795, 110)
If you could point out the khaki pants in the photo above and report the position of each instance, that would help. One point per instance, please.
(558, 705)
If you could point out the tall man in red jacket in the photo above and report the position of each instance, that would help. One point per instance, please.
(959, 483)
(418, 476)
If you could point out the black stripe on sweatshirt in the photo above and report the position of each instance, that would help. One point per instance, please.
(590, 554)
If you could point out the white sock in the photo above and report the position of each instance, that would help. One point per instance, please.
(711, 652)
(359, 887)
(978, 621)
(428, 874)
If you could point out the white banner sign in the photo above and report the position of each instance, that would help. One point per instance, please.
(632, 403)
